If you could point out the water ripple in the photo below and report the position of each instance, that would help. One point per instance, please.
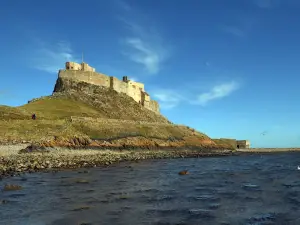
(257, 189)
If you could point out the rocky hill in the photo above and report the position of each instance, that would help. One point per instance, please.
(83, 115)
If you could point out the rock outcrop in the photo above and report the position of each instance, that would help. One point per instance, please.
(193, 142)
(112, 104)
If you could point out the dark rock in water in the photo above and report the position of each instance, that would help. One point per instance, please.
(183, 172)
(85, 171)
(3, 202)
(81, 208)
(82, 181)
(12, 187)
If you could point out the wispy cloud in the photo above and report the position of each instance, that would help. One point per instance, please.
(169, 99)
(217, 92)
(266, 4)
(234, 31)
(143, 44)
(242, 26)
(145, 54)
(51, 57)
(123, 5)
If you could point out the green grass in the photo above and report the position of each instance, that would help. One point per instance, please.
(7, 113)
(59, 108)
(34, 130)
(113, 129)
(113, 115)
(53, 119)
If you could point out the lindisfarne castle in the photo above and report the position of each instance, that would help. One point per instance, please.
(82, 72)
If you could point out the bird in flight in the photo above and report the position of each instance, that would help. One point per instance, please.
(264, 133)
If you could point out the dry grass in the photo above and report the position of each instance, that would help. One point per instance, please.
(109, 129)
(7, 113)
(225, 141)
(113, 115)
(9, 150)
(35, 130)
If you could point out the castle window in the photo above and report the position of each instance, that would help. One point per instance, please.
(71, 67)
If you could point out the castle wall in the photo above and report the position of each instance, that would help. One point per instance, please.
(140, 85)
(86, 67)
(85, 73)
(123, 87)
(86, 76)
(154, 106)
(135, 93)
(119, 86)
(73, 66)
(146, 104)
(145, 99)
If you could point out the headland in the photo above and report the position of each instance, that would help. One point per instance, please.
(92, 111)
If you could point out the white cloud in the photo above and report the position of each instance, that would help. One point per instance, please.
(217, 92)
(168, 99)
(145, 54)
(51, 58)
(143, 44)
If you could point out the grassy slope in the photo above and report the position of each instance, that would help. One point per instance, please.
(60, 108)
(7, 113)
(113, 115)
(53, 119)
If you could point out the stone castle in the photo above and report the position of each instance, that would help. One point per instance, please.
(82, 72)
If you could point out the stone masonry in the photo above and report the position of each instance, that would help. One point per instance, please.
(85, 73)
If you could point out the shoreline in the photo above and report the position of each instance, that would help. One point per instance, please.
(268, 150)
(13, 163)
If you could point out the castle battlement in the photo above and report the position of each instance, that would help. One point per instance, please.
(85, 73)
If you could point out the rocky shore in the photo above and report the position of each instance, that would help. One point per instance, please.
(268, 150)
(14, 160)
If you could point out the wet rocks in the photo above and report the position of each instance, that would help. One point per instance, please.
(3, 202)
(82, 181)
(12, 187)
(60, 158)
(125, 143)
(183, 172)
(81, 208)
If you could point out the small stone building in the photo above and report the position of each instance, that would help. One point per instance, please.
(242, 144)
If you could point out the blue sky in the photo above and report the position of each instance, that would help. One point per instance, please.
(229, 68)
